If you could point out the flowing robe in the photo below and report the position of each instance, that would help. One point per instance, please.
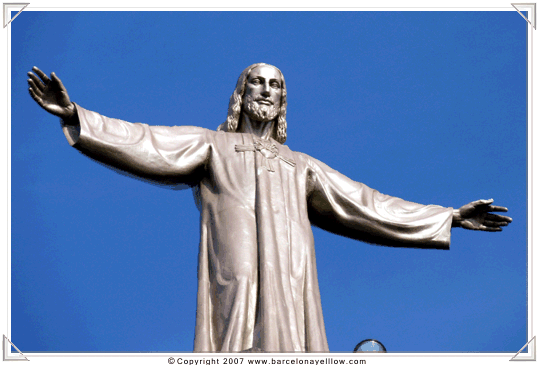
(257, 278)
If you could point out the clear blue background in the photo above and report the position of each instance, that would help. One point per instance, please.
(427, 106)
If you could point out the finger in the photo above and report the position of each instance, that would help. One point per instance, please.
(480, 227)
(41, 74)
(495, 224)
(495, 208)
(37, 81)
(489, 229)
(36, 89)
(57, 80)
(498, 218)
(35, 97)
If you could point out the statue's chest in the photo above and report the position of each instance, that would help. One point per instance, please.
(240, 159)
(266, 152)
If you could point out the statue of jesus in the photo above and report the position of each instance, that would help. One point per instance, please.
(257, 279)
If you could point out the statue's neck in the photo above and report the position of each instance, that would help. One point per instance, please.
(262, 130)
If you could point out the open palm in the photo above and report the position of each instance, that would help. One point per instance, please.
(50, 94)
(477, 216)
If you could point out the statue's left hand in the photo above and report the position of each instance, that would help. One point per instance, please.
(477, 216)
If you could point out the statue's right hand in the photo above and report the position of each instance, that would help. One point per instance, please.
(50, 94)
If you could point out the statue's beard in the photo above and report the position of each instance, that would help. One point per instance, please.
(260, 112)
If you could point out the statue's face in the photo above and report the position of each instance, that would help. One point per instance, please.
(262, 97)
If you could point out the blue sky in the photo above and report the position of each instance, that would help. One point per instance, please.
(430, 111)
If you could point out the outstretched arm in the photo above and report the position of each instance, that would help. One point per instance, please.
(349, 208)
(174, 156)
(477, 216)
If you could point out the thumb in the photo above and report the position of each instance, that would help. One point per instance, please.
(482, 202)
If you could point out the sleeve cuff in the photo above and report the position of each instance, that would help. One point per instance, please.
(72, 132)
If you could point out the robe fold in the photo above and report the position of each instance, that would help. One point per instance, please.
(257, 277)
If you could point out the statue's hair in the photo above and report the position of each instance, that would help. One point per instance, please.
(235, 106)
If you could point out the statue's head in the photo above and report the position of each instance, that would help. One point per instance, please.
(260, 93)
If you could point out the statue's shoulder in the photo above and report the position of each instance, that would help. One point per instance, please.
(300, 156)
(176, 131)
(301, 159)
(187, 128)
(224, 140)
(310, 162)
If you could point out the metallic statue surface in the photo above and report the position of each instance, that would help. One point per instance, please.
(257, 279)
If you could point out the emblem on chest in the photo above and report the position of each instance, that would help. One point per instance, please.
(268, 150)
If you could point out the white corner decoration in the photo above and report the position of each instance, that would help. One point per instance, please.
(531, 356)
(8, 356)
(530, 8)
(9, 7)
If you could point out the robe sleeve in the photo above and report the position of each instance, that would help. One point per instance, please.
(174, 156)
(349, 208)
